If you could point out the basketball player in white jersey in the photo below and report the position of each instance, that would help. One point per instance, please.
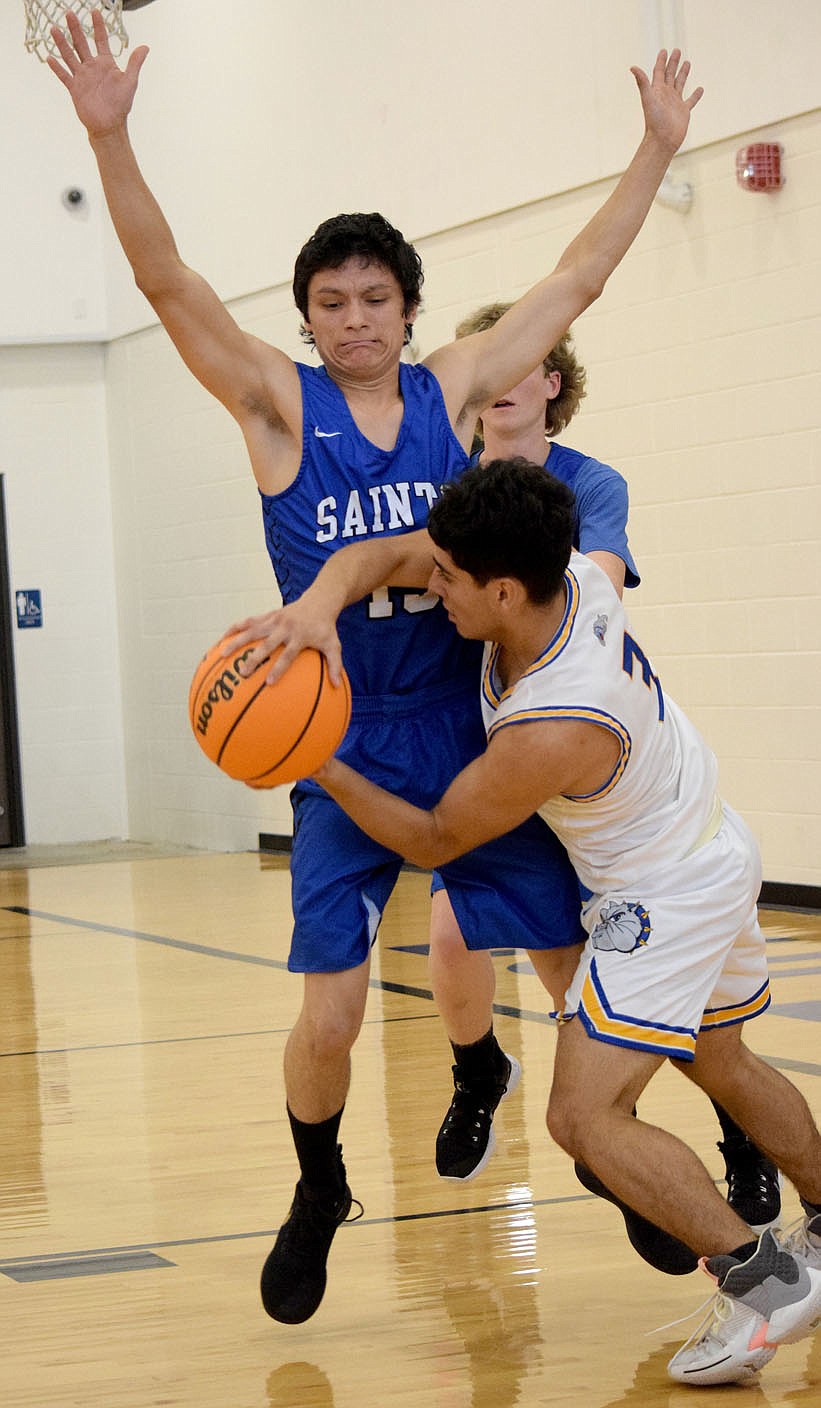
(526, 423)
(580, 730)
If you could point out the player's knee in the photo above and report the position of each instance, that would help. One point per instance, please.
(563, 1123)
(329, 1034)
(445, 951)
(447, 946)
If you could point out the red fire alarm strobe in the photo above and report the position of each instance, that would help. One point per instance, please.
(758, 167)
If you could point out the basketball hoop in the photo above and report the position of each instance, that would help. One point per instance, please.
(42, 14)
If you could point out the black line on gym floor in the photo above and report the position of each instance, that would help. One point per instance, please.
(500, 1009)
(8, 1264)
(204, 950)
(207, 1036)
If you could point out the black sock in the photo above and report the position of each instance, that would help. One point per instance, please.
(318, 1153)
(729, 1128)
(811, 1209)
(480, 1060)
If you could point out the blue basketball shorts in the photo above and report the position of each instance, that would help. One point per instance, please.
(519, 891)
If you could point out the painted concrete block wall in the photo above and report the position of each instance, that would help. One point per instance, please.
(705, 390)
(190, 559)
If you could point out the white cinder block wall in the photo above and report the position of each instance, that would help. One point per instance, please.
(190, 560)
(704, 358)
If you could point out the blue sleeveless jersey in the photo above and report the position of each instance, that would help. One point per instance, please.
(416, 718)
(398, 642)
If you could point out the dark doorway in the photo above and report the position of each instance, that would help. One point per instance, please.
(12, 831)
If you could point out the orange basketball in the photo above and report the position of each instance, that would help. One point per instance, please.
(267, 734)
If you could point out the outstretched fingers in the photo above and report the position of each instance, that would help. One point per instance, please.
(666, 110)
(64, 75)
(694, 97)
(671, 64)
(74, 47)
(79, 38)
(675, 72)
(69, 57)
(680, 76)
(100, 32)
(135, 62)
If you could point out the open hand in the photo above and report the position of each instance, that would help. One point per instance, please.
(666, 110)
(101, 91)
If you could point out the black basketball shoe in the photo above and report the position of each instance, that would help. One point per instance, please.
(655, 1246)
(753, 1183)
(466, 1139)
(294, 1275)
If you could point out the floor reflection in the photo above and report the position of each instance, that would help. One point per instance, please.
(473, 1276)
(651, 1388)
(299, 1385)
(22, 1193)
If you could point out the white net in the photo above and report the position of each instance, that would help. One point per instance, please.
(42, 14)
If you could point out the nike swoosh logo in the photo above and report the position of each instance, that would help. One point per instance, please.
(325, 434)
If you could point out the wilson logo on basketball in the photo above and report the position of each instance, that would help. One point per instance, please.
(222, 689)
(266, 734)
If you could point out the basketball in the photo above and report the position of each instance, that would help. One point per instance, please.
(264, 734)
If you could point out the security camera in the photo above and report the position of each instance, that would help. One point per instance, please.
(73, 198)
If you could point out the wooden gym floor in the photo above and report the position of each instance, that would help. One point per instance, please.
(146, 1165)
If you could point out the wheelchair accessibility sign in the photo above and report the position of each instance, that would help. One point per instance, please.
(29, 609)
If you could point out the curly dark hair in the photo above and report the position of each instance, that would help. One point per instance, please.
(560, 411)
(509, 518)
(371, 238)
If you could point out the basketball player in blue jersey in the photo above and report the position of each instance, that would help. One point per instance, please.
(524, 422)
(580, 730)
(360, 447)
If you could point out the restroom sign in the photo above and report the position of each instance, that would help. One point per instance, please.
(29, 609)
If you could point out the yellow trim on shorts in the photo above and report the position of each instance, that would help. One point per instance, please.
(739, 1012)
(623, 1030)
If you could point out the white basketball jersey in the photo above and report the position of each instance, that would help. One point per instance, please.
(658, 803)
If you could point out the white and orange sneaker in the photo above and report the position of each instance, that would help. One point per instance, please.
(771, 1298)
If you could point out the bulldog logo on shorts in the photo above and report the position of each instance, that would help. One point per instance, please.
(623, 927)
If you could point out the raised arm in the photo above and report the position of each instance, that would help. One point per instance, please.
(475, 371)
(239, 370)
(353, 572)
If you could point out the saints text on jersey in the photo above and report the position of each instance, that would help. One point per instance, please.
(383, 508)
